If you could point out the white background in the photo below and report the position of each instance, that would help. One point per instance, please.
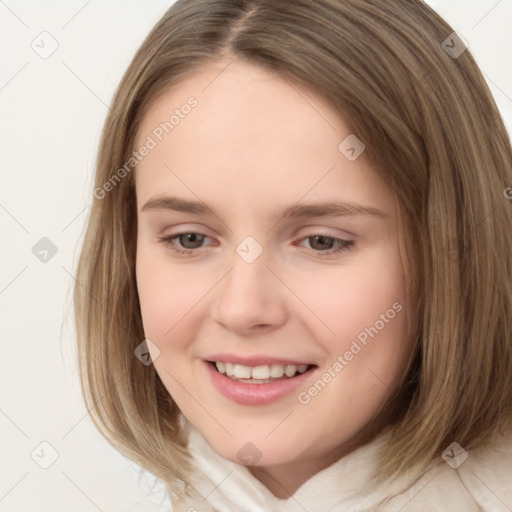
(51, 114)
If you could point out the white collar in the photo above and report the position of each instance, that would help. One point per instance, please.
(344, 485)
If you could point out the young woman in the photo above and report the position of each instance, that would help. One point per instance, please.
(295, 287)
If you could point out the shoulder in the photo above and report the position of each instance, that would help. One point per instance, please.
(487, 474)
(474, 481)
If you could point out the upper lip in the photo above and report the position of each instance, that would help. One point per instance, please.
(254, 360)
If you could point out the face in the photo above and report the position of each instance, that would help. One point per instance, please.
(264, 247)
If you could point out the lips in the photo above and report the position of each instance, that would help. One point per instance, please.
(251, 391)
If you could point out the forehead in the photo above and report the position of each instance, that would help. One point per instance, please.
(231, 92)
(253, 129)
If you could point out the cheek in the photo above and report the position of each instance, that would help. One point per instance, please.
(373, 334)
(169, 301)
(165, 296)
(363, 328)
(351, 298)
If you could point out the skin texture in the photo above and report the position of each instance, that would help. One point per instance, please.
(255, 144)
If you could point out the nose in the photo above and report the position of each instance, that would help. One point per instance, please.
(250, 298)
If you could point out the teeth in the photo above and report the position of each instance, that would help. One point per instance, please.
(242, 372)
(290, 370)
(262, 372)
(276, 370)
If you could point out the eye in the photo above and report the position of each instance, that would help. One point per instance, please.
(189, 242)
(323, 244)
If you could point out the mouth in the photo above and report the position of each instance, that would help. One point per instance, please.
(261, 374)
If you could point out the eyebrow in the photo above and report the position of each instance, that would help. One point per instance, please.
(328, 209)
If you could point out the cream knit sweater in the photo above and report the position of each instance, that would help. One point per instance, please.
(483, 482)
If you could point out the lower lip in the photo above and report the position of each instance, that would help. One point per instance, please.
(256, 394)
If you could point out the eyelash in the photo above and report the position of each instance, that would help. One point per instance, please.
(344, 245)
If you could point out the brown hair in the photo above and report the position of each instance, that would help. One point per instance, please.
(431, 128)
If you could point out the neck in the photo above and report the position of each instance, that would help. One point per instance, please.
(283, 480)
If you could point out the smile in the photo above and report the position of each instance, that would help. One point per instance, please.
(260, 374)
(258, 385)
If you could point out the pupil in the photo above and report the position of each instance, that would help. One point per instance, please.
(192, 238)
(322, 240)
